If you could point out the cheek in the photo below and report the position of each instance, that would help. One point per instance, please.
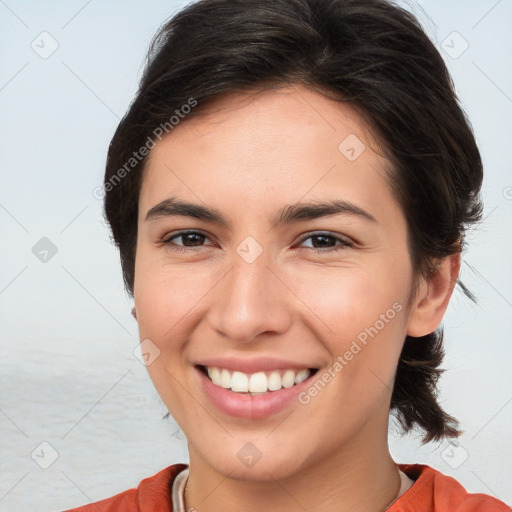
(359, 314)
(342, 302)
(166, 293)
(337, 302)
(166, 297)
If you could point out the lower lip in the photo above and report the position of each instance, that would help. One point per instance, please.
(251, 407)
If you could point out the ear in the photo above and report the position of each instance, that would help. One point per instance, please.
(134, 313)
(433, 296)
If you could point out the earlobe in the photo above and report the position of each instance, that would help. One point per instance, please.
(433, 297)
(134, 313)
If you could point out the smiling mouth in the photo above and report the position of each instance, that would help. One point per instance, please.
(258, 383)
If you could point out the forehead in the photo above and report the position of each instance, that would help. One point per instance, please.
(255, 148)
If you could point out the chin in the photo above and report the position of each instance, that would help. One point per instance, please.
(262, 471)
(250, 463)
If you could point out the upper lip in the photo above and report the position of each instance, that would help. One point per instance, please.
(253, 365)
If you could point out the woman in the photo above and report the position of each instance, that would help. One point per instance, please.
(289, 192)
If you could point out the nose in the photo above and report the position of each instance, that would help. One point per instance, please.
(249, 301)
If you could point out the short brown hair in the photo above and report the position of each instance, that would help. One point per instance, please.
(370, 54)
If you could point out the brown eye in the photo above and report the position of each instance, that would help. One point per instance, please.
(188, 239)
(326, 242)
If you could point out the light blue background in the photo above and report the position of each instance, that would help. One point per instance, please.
(68, 374)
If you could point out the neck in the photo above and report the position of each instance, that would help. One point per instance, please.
(358, 477)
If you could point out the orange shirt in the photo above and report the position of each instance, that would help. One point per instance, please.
(431, 492)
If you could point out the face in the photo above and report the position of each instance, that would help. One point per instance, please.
(258, 279)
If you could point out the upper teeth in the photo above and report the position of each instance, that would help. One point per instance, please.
(258, 382)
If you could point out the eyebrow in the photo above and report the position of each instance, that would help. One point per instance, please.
(288, 214)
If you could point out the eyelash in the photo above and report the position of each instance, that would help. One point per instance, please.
(344, 243)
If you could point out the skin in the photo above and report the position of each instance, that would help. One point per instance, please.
(247, 156)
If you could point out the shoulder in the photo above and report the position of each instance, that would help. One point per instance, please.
(433, 491)
(153, 493)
